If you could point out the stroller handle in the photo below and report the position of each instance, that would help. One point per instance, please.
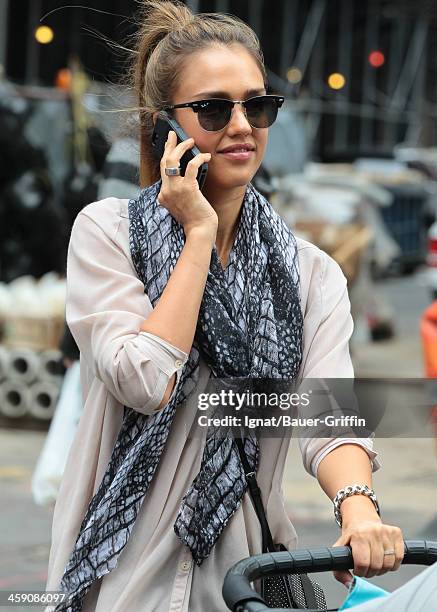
(237, 589)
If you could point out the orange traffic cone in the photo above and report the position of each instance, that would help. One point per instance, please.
(428, 330)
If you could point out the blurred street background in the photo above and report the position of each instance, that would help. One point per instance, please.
(351, 165)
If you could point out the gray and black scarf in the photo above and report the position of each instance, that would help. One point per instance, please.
(249, 326)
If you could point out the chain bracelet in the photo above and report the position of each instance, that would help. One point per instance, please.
(348, 491)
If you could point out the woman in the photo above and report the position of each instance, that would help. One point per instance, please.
(164, 292)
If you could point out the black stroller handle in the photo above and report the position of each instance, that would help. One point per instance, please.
(237, 589)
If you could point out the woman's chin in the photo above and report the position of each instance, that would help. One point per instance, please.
(229, 180)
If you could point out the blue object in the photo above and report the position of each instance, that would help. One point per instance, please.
(362, 591)
(405, 221)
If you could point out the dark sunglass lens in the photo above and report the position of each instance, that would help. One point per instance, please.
(215, 115)
(261, 112)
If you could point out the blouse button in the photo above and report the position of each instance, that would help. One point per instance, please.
(185, 566)
(178, 363)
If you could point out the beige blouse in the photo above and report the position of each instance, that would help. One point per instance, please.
(120, 365)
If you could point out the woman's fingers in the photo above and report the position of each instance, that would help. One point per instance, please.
(194, 165)
(370, 551)
(391, 548)
(377, 559)
(172, 157)
(394, 543)
(173, 152)
(369, 542)
(362, 557)
(388, 562)
(343, 576)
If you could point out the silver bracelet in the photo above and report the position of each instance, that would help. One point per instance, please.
(354, 489)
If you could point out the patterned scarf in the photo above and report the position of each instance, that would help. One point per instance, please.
(249, 326)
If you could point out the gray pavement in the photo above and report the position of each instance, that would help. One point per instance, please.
(401, 356)
(406, 484)
(25, 527)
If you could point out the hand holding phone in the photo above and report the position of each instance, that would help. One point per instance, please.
(164, 124)
(180, 195)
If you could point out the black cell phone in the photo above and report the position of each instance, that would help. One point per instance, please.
(163, 125)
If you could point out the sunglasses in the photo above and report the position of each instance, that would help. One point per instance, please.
(214, 114)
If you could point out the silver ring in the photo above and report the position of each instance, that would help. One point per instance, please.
(389, 552)
(173, 171)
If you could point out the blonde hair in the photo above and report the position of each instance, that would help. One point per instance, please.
(168, 33)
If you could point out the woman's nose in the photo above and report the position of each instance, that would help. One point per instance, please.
(239, 122)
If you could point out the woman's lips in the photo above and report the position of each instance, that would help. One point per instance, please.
(238, 155)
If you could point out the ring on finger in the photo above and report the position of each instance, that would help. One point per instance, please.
(390, 551)
(175, 171)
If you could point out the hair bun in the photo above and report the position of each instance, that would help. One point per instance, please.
(165, 16)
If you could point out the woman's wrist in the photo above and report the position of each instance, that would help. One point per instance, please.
(206, 233)
(198, 248)
(358, 507)
(364, 494)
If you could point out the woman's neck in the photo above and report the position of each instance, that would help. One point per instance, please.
(227, 205)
